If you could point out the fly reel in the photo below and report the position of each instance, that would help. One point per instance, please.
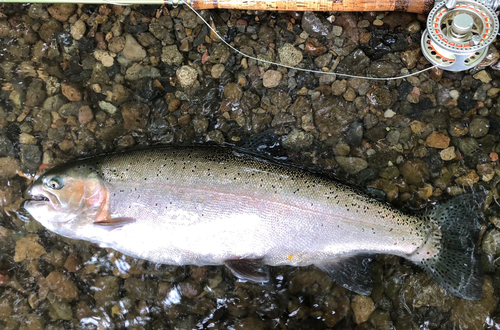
(459, 32)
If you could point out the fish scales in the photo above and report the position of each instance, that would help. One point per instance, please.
(212, 206)
(283, 215)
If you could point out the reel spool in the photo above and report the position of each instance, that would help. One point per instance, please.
(459, 32)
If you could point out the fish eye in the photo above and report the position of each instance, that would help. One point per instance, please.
(55, 183)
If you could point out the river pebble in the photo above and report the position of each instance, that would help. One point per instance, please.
(28, 248)
(186, 75)
(479, 127)
(362, 307)
(289, 55)
(132, 50)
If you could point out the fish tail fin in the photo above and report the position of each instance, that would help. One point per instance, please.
(449, 256)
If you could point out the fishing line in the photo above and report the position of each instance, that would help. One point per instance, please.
(296, 68)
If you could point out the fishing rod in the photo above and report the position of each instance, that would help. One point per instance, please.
(457, 36)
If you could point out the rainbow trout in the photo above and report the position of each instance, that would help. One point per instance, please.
(210, 206)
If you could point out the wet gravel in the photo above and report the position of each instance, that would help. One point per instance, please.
(87, 79)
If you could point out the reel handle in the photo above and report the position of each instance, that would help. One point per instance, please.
(411, 6)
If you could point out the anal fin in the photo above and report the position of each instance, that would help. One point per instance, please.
(252, 270)
(353, 273)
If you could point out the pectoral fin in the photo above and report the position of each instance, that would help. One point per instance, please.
(252, 270)
(353, 273)
(113, 223)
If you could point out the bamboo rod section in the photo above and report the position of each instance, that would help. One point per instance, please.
(411, 6)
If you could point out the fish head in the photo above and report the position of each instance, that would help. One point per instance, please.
(66, 199)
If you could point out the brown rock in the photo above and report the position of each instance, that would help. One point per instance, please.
(379, 97)
(174, 105)
(469, 314)
(133, 51)
(387, 186)
(62, 286)
(350, 94)
(417, 126)
(414, 171)
(78, 29)
(349, 23)
(28, 248)
(411, 56)
(365, 37)
(314, 47)
(48, 29)
(116, 44)
(73, 263)
(436, 73)
(491, 58)
(486, 171)
(191, 288)
(135, 115)
(62, 11)
(339, 87)
(4, 279)
(467, 180)
(85, 115)
(362, 307)
(9, 166)
(271, 78)
(438, 140)
(120, 94)
(448, 154)
(66, 145)
(71, 91)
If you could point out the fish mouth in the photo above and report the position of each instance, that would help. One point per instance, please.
(36, 195)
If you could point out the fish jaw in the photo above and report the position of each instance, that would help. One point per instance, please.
(45, 208)
(43, 212)
(39, 196)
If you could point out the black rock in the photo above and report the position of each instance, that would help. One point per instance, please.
(225, 78)
(289, 37)
(354, 136)
(89, 9)
(380, 159)
(6, 147)
(305, 79)
(315, 24)
(376, 133)
(136, 29)
(206, 100)
(366, 175)
(231, 34)
(31, 158)
(159, 108)
(404, 89)
(388, 39)
(465, 102)
(64, 38)
(434, 162)
(424, 104)
(147, 10)
(73, 69)
(86, 44)
(200, 38)
(146, 90)
(400, 44)
(113, 70)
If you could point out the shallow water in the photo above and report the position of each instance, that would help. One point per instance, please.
(70, 89)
